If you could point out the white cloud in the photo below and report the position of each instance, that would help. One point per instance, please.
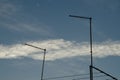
(59, 48)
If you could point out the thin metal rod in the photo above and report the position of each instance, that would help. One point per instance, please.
(105, 73)
(79, 17)
(90, 33)
(34, 46)
(91, 72)
(91, 41)
(91, 56)
(43, 63)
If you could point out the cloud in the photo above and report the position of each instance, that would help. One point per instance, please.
(59, 49)
(10, 14)
(30, 27)
(6, 9)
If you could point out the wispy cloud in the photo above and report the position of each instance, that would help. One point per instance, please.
(9, 19)
(30, 27)
(58, 49)
(6, 9)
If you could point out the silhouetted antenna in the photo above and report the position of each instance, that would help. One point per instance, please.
(90, 22)
(42, 72)
(91, 67)
(104, 73)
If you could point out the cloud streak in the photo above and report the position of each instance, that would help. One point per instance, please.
(7, 9)
(9, 19)
(59, 49)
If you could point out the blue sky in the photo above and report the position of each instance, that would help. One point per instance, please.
(46, 24)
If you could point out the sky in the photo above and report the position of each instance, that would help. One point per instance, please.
(46, 24)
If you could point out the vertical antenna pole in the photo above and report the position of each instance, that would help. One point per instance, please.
(90, 67)
(91, 56)
(43, 64)
(91, 41)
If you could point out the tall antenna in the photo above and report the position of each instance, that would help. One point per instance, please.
(43, 63)
(91, 67)
(90, 21)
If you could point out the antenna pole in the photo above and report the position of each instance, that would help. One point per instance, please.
(91, 56)
(43, 63)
